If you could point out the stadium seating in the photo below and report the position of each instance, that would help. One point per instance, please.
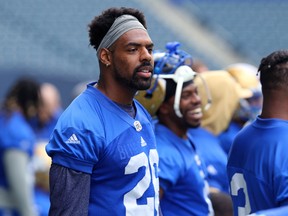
(49, 39)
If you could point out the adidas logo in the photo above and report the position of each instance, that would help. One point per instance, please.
(143, 142)
(73, 140)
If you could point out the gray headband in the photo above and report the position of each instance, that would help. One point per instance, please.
(120, 26)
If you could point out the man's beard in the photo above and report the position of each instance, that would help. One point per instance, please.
(136, 83)
(192, 125)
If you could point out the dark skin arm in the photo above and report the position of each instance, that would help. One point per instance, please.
(221, 202)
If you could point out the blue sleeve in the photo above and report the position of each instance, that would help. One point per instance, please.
(75, 149)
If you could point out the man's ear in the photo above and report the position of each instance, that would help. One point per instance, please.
(105, 56)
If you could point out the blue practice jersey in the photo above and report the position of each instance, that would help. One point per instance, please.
(182, 176)
(209, 149)
(95, 136)
(258, 166)
(15, 133)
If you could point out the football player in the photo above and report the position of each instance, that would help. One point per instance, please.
(17, 143)
(103, 148)
(174, 102)
(258, 163)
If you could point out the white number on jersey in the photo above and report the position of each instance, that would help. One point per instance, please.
(238, 182)
(208, 201)
(130, 198)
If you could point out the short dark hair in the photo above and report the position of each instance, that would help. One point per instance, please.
(23, 94)
(100, 25)
(274, 70)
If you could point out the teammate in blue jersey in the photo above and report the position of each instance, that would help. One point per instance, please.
(258, 161)
(215, 159)
(182, 175)
(17, 142)
(103, 148)
(211, 152)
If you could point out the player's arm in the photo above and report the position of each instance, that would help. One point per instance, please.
(69, 191)
(221, 202)
(20, 184)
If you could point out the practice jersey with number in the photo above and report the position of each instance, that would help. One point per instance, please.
(210, 150)
(182, 176)
(258, 166)
(96, 136)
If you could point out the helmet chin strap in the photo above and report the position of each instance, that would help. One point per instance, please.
(178, 97)
(179, 91)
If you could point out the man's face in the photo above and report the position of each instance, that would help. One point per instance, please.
(190, 107)
(132, 59)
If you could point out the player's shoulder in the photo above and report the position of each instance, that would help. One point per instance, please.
(16, 119)
(166, 139)
(80, 115)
